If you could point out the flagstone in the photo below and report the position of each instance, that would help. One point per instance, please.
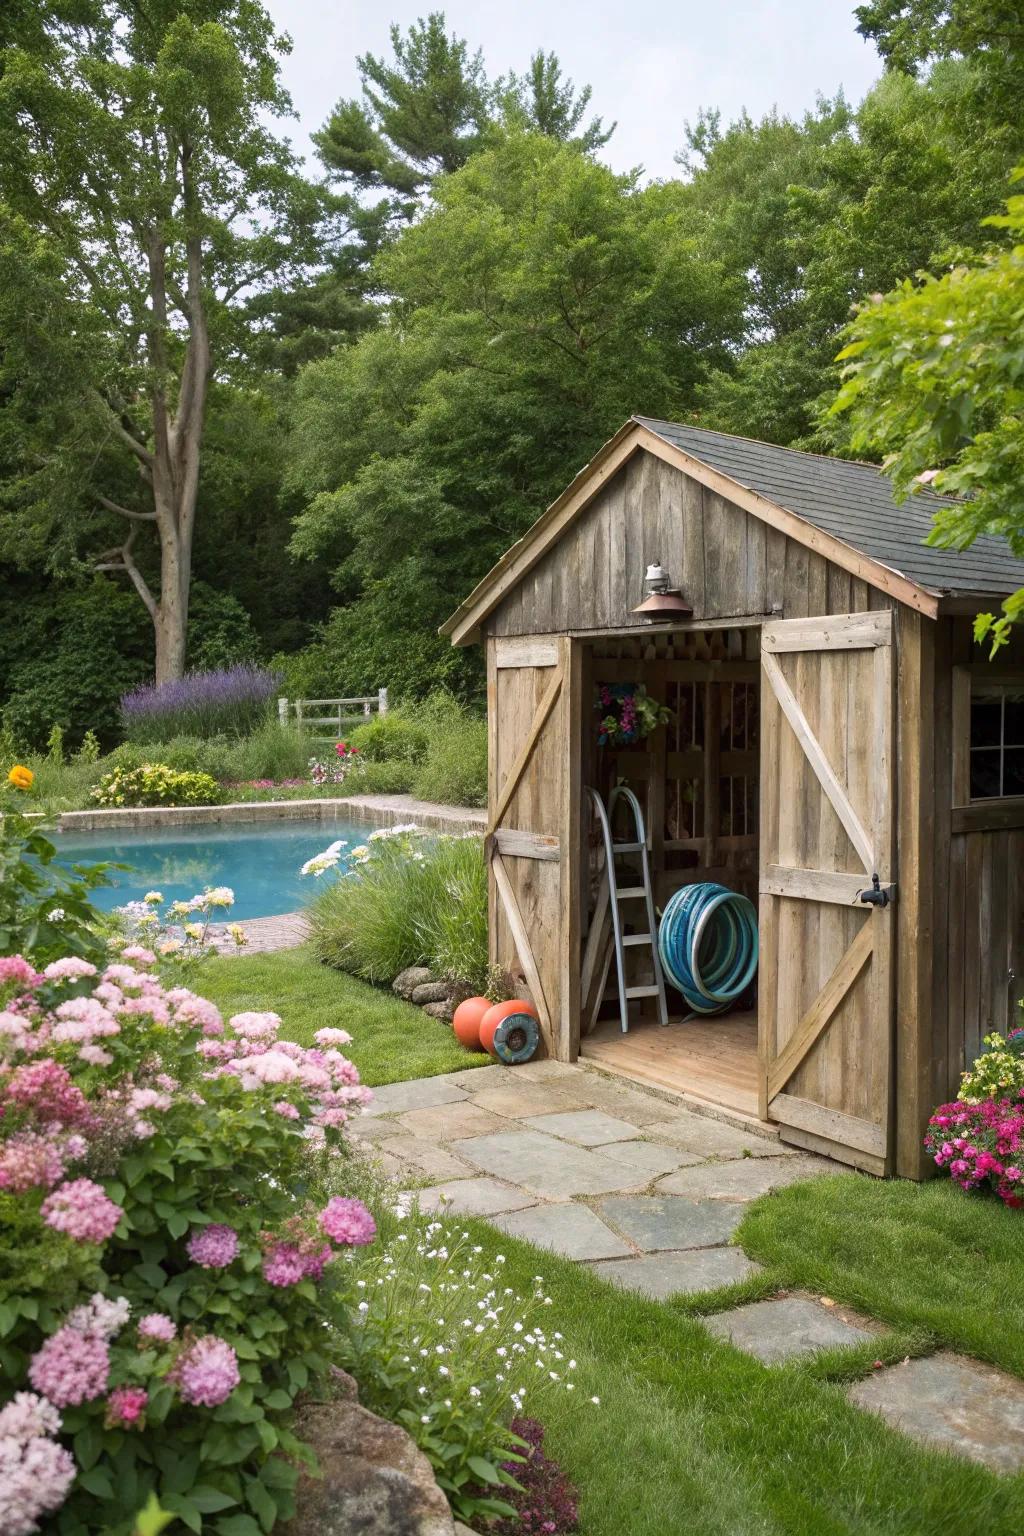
(574, 1231)
(744, 1179)
(450, 1122)
(419, 1093)
(587, 1127)
(473, 1197)
(657, 1222)
(651, 1157)
(660, 1275)
(714, 1138)
(954, 1404)
(555, 1169)
(520, 1100)
(780, 1329)
(426, 1160)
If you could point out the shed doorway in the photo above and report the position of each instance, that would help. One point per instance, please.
(697, 778)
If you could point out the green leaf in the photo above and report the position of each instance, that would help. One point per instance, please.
(88, 1443)
(486, 1471)
(209, 1501)
(185, 1510)
(238, 1525)
(97, 1481)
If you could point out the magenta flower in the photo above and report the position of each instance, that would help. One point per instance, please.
(348, 1221)
(213, 1247)
(157, 1328)
(283, 1265)
(126, 1408)
(82, 1210)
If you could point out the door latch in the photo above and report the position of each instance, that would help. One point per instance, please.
(874, 896)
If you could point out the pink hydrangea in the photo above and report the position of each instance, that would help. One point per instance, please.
(15, 1029)
(27, 1417)
(195, 1012)
(35, 1476)
(101, 1316)
(328, 1037)
(285, 1110)
(272, 1067)
(283, 1265)
(71, 1367)
(348, 1221)
(94, 1056)
(138, 954)
(70, 968)
(16, 969)
(157, 1328)
(213, 1247)
(255, 1026)
(29, 1160)
(83, 1019)
(126, 1408)
(206, 1372)
(82, 1209)
(44, 1090)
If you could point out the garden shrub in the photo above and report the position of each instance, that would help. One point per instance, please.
(454, 771)
(441, 1345)
(407, 899)
(44, 908)
(170, 1291)
(400, 735)
(230, 701)
(981, 1144)
(997, 1071)
(155, 784)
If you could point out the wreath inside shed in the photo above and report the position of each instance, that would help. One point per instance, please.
(628, 713)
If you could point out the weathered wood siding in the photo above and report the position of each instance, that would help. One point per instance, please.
(728, 563)
(979, 887)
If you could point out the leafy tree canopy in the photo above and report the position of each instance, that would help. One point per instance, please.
(934, 380)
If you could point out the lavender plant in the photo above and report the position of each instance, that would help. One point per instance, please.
(230, 701)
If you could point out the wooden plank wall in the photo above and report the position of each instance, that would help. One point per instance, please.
(979, 892)
(728, 563)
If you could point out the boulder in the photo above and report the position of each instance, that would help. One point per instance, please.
(375, 1481)
(406, 982)
(442, 1011)
(431, 992)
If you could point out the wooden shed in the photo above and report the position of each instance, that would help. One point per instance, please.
(832, 720)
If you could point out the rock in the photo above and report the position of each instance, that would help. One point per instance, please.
(374, 1480)
(440, 1010)
(431, 992)
(406, 982)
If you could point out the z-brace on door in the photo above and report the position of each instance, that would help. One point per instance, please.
(825, 1011)
(533, 825)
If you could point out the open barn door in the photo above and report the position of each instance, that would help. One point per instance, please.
(533, 824)
(825, 1011)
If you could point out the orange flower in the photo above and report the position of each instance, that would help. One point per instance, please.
(21, 777)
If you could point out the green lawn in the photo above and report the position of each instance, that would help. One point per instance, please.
(693, 1437)
(391, 1040)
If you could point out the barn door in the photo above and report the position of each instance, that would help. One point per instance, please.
(825, 1011)
(533, 826)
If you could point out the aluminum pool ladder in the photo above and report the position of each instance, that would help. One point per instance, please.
(618, 894)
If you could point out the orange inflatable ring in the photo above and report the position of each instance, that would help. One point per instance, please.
(466, 1022)
(493, 1017)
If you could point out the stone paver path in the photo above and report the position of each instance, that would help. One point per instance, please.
(648, 1195)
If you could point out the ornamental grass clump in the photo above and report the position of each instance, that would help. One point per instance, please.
(229, 701)
(169, 1277)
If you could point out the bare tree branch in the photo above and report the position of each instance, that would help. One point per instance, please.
(140, 451)
(113, 506)
(121, 559)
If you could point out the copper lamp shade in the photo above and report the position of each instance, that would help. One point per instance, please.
(662, 602)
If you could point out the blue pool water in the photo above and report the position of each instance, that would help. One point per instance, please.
(259, 861)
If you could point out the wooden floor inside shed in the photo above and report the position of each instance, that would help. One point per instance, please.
(714, 1060)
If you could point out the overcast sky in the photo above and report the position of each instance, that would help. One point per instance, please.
(652, 63)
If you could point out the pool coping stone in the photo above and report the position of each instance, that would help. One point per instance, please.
(381, 810)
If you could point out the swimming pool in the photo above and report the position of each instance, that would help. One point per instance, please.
(260, 861)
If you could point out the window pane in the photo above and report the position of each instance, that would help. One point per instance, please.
(1014, 726)
(1013, 772)
(985, 774)
(986, 720)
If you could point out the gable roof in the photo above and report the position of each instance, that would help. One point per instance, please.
(854, 502)
(841, 508)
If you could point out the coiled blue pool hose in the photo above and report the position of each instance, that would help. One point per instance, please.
(707, 940)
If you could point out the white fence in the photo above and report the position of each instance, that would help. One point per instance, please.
(336, 713)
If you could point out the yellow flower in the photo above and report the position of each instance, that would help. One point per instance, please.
(21, 777)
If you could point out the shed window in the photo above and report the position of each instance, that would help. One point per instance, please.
(997, 740)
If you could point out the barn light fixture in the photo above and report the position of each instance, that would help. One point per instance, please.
(662, 602)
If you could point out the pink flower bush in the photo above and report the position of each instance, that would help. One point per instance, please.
(206, 1372)
(981, 1143)
(348, 1221)
(82, 1210)
(214, 1247)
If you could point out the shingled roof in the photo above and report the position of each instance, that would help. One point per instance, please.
(853, 502)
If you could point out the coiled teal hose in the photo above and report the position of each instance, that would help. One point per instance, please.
(707, 941)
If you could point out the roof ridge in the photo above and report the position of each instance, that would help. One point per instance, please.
(761, 442)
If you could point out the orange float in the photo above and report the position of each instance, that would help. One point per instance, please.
(493, 1017)
(466, 1022)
